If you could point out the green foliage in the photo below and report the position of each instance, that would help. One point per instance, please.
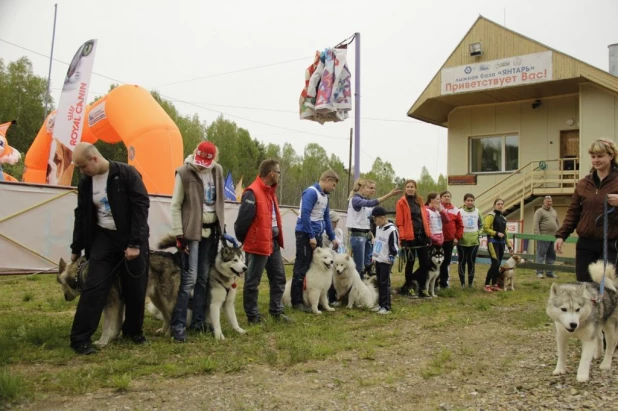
(12, 385)
(191, 128)
(22, 98)
(238, 153)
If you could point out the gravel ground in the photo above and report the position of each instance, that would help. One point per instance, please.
(486, 367)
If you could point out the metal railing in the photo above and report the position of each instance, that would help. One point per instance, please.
(549, 177)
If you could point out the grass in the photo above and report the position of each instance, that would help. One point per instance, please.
(35, 322)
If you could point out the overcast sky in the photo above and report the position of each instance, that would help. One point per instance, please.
(403, 45)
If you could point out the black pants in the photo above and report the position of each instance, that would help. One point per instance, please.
(105, 266)
(589, 250)
(383, 273)
(496, 252)
(420, 275)
(447, 246)
(304, 255)
(466, 256)
(276, 279)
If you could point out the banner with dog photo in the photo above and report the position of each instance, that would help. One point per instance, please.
(69, 120)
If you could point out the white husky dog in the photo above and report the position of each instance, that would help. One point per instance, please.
(317, 282)
(348, 284)
(579, 310)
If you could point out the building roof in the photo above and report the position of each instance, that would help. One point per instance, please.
(499, 42)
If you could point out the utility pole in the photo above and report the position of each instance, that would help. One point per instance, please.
(350, 162)
(51, 58)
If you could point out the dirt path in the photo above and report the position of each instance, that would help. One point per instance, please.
(428, 369)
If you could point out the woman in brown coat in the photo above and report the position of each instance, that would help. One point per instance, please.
(585, 213)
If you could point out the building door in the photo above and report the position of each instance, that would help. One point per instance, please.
(569, 148)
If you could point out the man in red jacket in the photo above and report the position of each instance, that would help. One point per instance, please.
(258, 227)
(452, 231)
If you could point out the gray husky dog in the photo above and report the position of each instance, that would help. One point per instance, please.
(229, 266)
(163, 283)
(579, 310)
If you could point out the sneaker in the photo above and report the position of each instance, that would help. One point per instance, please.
(488, 289)
(423, 295)
(551, 275)
(496, 288)
(282, 318)
(383, 311)
(302, 307)
(179, 336)
(335, 304)
(540, 275)
(376, 309)
(84, 349)
(463, 286)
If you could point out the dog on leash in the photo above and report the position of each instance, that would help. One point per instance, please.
(348, 284)
(436, 256)
(317, 282)
(164, 275)
(229, 266)
(580, 311)
(506, 276)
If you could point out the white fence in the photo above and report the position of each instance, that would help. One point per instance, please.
(36, 225)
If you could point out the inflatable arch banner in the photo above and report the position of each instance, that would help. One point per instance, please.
(128, 114)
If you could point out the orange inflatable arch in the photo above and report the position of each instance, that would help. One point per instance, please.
(129, 114)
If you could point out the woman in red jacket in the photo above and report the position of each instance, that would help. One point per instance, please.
(453, 231)
(414, 234)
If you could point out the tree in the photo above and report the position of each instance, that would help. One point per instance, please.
(192, 130)
(238, 153)
(22, 98)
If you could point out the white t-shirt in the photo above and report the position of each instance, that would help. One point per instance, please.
(210, 191)
(99, 198)
(274, 217)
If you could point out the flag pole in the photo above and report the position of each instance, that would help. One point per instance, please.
(357, 106)
(51, 58)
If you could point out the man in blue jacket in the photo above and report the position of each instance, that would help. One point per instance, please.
(313, 220)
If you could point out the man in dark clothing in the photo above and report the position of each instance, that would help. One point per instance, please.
(111, 225)
(258, 227)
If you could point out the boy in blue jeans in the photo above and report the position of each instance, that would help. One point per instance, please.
(385, 248)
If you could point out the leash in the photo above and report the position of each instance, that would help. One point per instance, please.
(84, 262)
(605, 233)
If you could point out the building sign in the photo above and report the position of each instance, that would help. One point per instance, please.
(512, 71)
(464, 180)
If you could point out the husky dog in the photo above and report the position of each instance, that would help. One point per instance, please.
(229, 265)
(506, 278)
(317, 282)
(436, 255)
(163, 283)
(348, 284)
(579, 310)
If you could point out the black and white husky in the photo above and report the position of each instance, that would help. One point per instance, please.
(436, 257)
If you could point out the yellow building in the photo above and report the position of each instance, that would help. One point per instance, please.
(520, 118)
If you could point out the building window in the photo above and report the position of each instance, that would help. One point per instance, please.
(494, 154)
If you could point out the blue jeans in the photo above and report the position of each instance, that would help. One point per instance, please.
(194, 278)
(545, 253)
(358, 244)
